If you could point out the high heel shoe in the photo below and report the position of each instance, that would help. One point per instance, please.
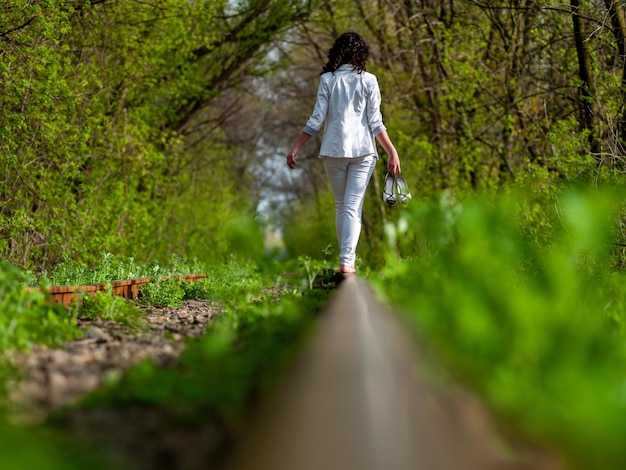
(403, 189)
(389, 190)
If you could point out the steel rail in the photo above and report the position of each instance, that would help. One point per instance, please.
(356, 398)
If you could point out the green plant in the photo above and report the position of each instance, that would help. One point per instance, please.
(106, 306)
(165, 292)
(533, 323)
(113, 168)
(315, 269)
(242, 354)
(310, 226)
(30, 316)
(37, 448)
(310, 268)
(231, 279)
(112, 268)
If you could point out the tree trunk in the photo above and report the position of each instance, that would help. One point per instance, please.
(587, 89)
(618, 23)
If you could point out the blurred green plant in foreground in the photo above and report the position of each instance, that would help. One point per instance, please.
(244, 350)
(45, 450)
(534, 325)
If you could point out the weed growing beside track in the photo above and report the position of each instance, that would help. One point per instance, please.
(29, 316)
(215, 380)
(42, 449)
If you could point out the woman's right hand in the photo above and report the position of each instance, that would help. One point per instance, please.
(291, 156)
(291, 160)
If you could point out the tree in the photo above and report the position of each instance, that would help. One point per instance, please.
(587, 89)
(618, 28)
(114, 131)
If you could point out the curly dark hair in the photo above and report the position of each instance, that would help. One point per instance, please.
(349, 48)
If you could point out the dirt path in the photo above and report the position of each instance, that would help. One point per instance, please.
(55, 377)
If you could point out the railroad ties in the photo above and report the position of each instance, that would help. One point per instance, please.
(127, 288)
(358, 398)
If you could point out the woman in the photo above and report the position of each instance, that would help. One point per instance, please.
(348, 104)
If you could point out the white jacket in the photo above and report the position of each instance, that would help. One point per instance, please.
(348, 104)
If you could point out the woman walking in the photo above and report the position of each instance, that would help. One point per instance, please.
(348, 105)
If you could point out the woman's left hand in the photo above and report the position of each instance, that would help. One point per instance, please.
(393, 164)
(393, 161)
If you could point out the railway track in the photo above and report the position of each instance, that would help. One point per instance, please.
(358, 398)
(360, 395)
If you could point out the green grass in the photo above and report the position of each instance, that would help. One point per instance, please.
(42, 449)
(113, 268)
(106, 306)
(31, 317)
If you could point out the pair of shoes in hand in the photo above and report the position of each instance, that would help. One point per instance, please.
(396, 184)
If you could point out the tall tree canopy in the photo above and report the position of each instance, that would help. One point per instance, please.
(112, 131)
(144, 127)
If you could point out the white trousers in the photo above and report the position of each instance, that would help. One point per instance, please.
(349, 178)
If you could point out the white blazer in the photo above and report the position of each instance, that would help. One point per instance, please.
(348, 104)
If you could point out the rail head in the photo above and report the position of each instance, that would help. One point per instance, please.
(354, 400)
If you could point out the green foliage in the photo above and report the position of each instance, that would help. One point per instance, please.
(245, 238)
(115, 268)
(202, 290)
(112, 137)
(312, 227)
(108, 268)
(230, 279)
(224, 279)
(534, 324)
(314, 269)
(29, 316)
(494, 99)
(310, 268)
